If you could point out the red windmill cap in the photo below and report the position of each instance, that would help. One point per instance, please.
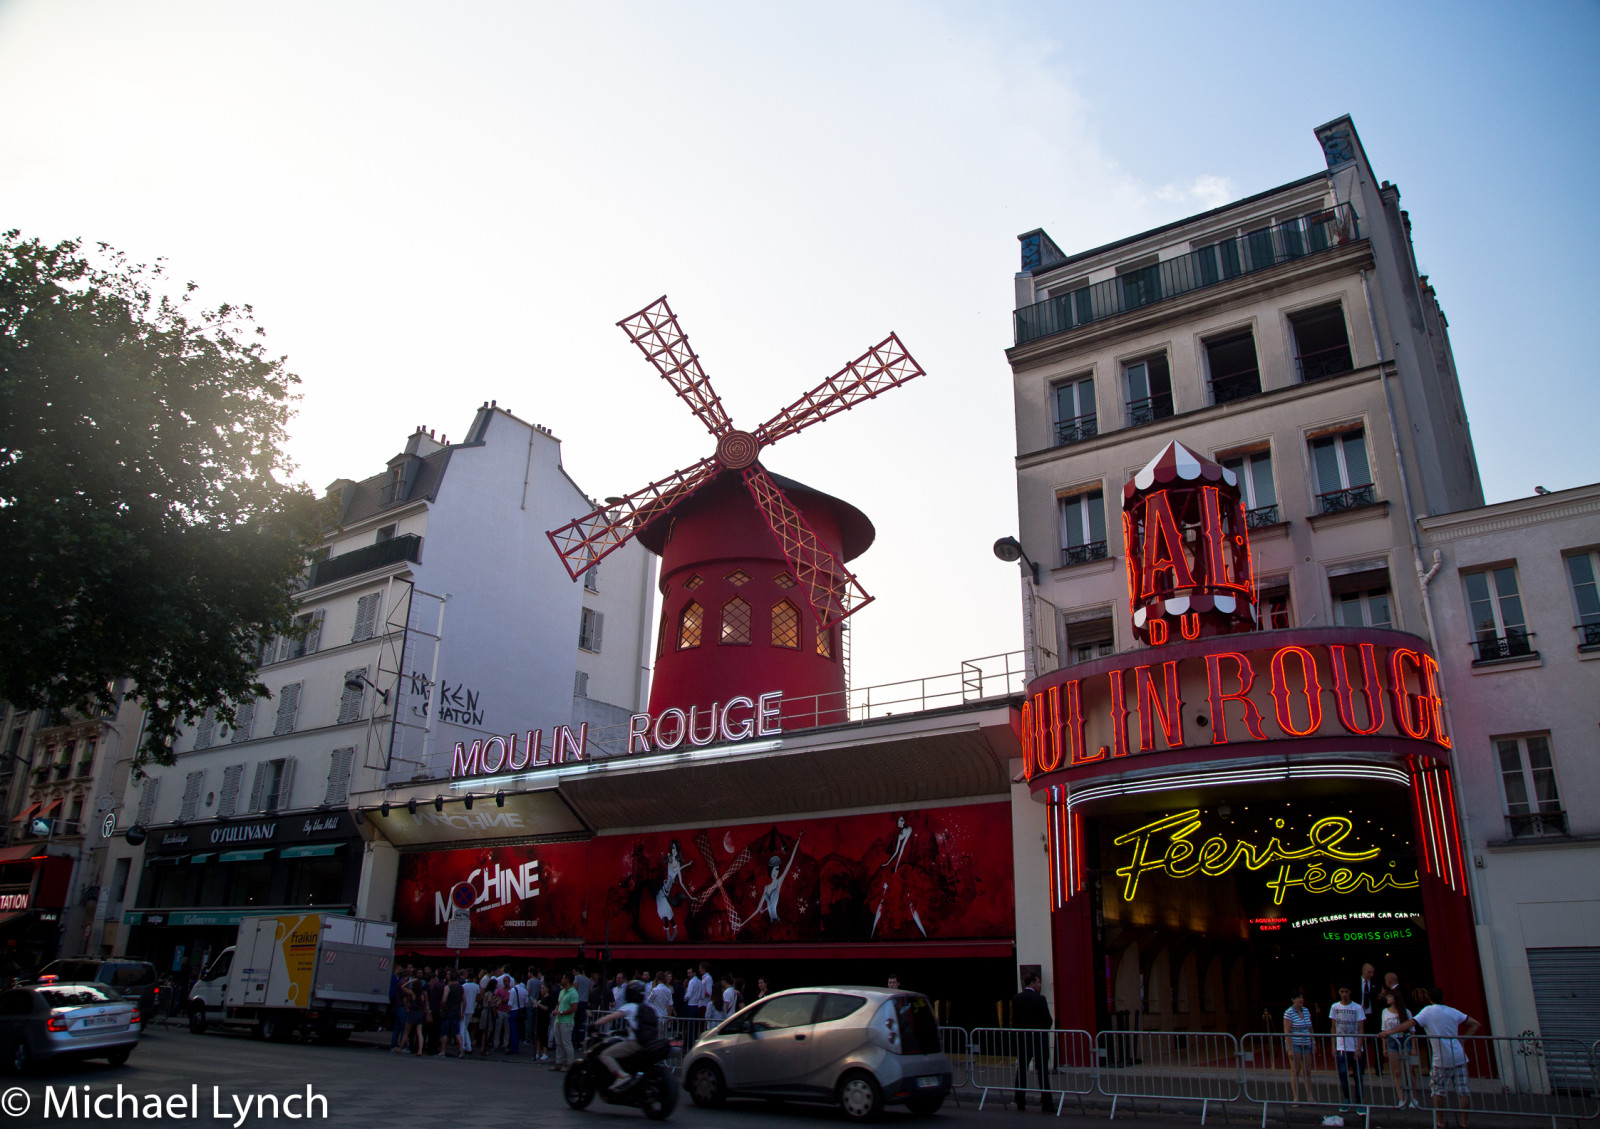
(1176, 463)
(855, 528)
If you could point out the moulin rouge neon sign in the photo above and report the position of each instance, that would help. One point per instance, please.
(736, 720)
(1164, 846)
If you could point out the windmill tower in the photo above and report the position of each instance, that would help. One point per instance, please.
(753, 577)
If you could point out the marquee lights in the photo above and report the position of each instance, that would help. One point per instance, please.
(1178, 857)
(1055, 719)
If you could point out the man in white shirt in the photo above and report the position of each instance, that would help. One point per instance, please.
(619, 988)
(698, 994)
(469, 1009)
(1347, 1019)
(659, 997)
(1443, 1025)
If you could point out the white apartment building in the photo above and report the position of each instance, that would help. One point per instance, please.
(1517, 602)
(436, 612)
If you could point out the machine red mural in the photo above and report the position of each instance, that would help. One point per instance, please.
(937, 874)
(526, 893)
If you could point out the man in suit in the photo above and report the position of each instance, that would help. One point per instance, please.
(1031, 1015)
(1369, 994)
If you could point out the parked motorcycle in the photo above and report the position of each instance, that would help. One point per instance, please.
(652, 1088)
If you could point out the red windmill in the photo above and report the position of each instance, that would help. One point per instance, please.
(717, 539)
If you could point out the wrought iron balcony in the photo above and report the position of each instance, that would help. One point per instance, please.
(1261, 517)
(1514, 644)
(1150, 409)
(1338, 501)
(1588, 635)
(1236, 387)
(407, 547)
(1205, 266)
(1083, 554)
(1323, 363)
(1076, 430)
(1532, 825)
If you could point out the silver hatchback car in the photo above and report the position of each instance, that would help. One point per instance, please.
(863, 1048)
(42, 1022)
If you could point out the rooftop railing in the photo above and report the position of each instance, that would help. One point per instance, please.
(1205, 266)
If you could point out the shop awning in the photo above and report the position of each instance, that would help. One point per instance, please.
(50, 806)
(196, 860)
(244, 856)
(26, 812)
(163, 860)
(17, 854)
(314, 850)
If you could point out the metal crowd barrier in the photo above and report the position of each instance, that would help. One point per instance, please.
(684, 1032)
(957, 1048)
(1197, 1066)
(1054, 1064)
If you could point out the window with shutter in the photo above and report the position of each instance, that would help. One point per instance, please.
(288, 709)
(191, 793)
(366, 618)
(147, 800)
(228, 799)
(350, 702)
(281, 797)
(339, 777)
(205, 730)
(244, 720)
(258, 790)
(580, 684)
(589, 624)
(314, 633)
(591, 578)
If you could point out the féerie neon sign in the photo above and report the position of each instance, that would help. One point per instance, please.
(1164, 846)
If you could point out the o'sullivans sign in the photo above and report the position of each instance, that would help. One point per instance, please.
(740, 718)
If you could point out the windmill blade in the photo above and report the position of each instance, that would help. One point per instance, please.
(833, 591)
(656, 331)
(884, 366)
(583, 542)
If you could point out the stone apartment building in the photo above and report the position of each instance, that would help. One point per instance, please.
(1289, 337)
(436, 612)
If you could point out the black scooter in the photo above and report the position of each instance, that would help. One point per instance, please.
(652, 1088)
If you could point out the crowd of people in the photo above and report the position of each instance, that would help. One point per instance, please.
(1370, 1021)
(447, 1011)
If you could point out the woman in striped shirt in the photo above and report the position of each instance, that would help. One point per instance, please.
(1297, 1026)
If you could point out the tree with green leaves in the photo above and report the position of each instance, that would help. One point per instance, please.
(148, 535)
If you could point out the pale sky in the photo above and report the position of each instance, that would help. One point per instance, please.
(432, 205)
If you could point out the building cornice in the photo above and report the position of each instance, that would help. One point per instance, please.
(1516, 514)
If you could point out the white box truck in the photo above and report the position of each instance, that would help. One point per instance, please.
(322, 975)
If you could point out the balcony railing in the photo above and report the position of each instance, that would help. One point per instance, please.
(1531, 825)
(1150, 409)
(1588, 635)
(1514, 644)
(1076, 430)
(1323, 363)
(1083, 554)
(1261, 517)
(1236, 387)
(1338, 501)
(1205, 266)
(407, 547)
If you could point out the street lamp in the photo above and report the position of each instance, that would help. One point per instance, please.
(357, 680)
(1009, 549)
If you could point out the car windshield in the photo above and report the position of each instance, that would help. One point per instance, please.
(79, 995)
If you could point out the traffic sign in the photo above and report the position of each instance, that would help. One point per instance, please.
(462, 895)
(459, 935)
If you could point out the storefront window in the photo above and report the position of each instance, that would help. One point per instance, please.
(316, 882)
(248, 883)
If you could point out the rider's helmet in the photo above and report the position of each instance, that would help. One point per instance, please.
(634, 992)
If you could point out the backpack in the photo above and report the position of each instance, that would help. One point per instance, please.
(649, 1025)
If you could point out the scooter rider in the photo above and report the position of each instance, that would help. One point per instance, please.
(612, 1056)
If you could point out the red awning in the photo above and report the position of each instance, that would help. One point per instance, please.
(51, 805)
(17, 854)
(26, 812)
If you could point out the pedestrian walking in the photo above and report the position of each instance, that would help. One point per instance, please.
(1443, 1026)
(469, 1009)
(565, 1021)
(1031, 1013)
(1297, 1031)
(580, 1022)
(397, 1006)
(1346, 1019)
(433, 1005)
(450, 1015)
(519, 1003)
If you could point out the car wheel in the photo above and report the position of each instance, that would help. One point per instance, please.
(20, 1058)
(860, 1096)
(119, 1056)
(577, 1087)
(925, 1107)
(197, 1020)
(706, 1088)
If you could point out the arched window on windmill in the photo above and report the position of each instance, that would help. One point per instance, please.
(690, 622)
(825, 642)
(786, 625)
(736, 621)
